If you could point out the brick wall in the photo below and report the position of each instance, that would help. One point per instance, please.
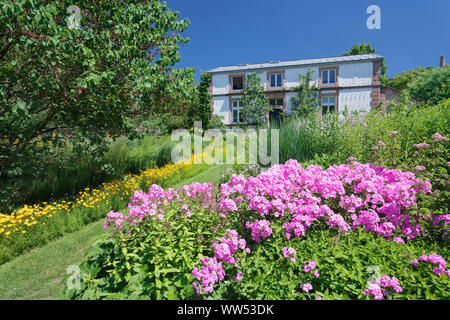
(376, 83)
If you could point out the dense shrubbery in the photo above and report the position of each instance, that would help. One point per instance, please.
(350, 231)
(289, 233)
(432, 86)
(336, 137)
(68, 173)
(36, 225)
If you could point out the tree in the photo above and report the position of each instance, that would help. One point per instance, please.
(200, 108)
(305, 101)
(255, 102)
(72, 87)
(432, 85)
(401, 81)
(363, 48)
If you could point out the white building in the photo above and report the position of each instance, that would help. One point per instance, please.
(352, 81)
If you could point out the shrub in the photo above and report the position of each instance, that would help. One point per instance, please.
(334, 138)
(288, 233)
(36, 225)
(432, 86)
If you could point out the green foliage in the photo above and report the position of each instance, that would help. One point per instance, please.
(334, 138)
(70, 173)
(217, 122)
(432, 86)
(201, 109)
(154, 261)
(306, 100)
(255, 102)
(345, 264)
(401, 81)
(73, 87)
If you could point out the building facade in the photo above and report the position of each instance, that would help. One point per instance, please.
(347, 81)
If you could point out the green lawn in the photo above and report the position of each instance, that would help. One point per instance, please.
(38, 274)
(213, 174)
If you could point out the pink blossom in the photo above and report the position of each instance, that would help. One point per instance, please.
(438, 138)
(307, 287)
(435, 259)
(260, 229)
(206, 278)
(290, 253)
(379, 288)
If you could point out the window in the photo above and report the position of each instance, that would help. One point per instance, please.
(328, 105)
(237, 83)
(276, 102)
(329, 76)
(275, 80)
(237, 112)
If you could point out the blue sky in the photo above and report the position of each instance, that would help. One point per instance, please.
(228, 32)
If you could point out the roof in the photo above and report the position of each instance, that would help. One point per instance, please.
(295, 63)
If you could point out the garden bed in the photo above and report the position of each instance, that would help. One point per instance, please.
(352, 231)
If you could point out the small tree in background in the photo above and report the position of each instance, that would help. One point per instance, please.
(255, 102)
(401, 81)
(305, 101)
(432, 86)
(201, 109)
(363, 48)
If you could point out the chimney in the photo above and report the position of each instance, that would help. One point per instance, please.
(442, 62)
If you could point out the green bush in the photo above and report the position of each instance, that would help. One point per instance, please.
(68, 174)
(345, 264)
(334, 138)
(432, 86)
(154, 261)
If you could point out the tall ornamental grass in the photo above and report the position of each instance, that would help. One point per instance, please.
(334, 138)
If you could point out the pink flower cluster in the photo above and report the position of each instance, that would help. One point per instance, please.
(311, 267)
(225, 248)
(114, 219)
(226, 206)
(306, 287)
(260, 229)
(345, 196)
(156, 201)
(443, 217)
(379, 288)
(438, 138)
(210, 273)
(290, 253)
(436, 259)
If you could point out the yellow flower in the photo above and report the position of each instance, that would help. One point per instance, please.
(30, 215)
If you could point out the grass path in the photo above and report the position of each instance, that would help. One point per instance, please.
(213, 174)
(38, 274)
